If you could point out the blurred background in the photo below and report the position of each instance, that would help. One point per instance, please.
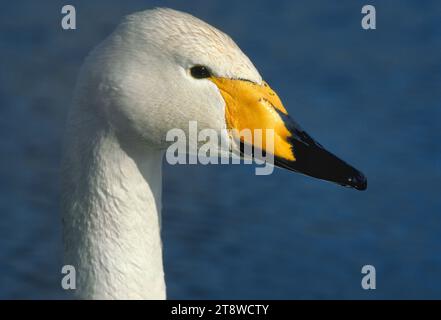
(373, 97)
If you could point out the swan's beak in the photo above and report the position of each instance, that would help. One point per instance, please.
(252, 106)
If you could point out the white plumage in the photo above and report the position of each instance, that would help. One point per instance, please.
(132, 89)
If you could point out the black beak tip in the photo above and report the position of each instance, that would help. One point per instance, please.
(358, 181)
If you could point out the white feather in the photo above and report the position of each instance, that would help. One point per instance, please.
(132, 89)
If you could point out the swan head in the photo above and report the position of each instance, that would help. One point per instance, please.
(161, 69)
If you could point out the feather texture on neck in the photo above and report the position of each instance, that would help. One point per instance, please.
(111, 213)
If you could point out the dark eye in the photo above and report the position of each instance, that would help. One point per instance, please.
(200, 72)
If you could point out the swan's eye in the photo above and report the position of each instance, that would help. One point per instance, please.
(200, 72)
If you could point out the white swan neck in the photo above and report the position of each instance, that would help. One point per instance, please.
(112, 204)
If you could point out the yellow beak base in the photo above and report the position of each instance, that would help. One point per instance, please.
(251, 106)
